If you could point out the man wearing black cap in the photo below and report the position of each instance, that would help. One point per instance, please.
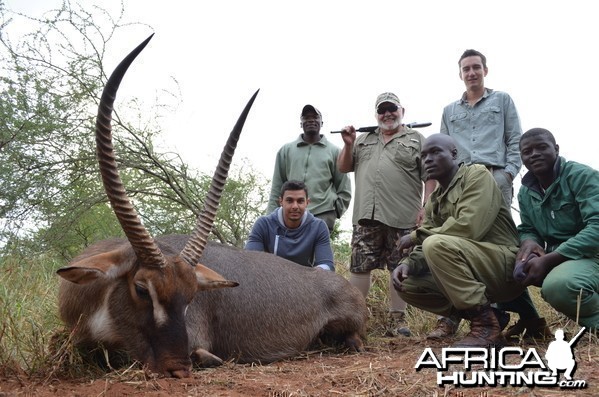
(313, 160)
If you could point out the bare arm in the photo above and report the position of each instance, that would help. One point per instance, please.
(345, 161)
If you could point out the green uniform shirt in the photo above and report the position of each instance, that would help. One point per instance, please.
(566, 217)
(472, 207)
(389, 178)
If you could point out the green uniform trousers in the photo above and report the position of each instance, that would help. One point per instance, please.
(570, 282)
(463, 274)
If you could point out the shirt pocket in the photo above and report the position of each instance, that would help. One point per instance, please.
(459, 122)
(565, 217)
(491, 114)
(407, 154)
(444, 206)
(365, 150)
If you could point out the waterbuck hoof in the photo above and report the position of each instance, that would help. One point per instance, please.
(354, 342)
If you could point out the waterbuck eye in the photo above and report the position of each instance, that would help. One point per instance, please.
(142, 291)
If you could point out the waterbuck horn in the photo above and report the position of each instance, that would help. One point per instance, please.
(143, 244)
(194, 248)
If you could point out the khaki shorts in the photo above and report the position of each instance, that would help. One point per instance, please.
(374, 246)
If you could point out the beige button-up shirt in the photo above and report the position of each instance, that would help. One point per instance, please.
(388, 178)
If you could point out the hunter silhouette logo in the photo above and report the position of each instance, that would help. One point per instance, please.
(559, 354)
(508, 366)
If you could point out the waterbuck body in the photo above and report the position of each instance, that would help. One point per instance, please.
(174, 299)
(277, 311)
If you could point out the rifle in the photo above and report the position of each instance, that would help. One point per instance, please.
(371, 129)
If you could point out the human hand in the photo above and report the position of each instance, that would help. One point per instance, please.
(348, 134)
(519, 273)
(528, 247)
(535, 270)
(400, 273)
(405, 245)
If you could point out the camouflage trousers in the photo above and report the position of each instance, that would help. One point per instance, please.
(374, 246)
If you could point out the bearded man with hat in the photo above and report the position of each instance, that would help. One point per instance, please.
(390, 189)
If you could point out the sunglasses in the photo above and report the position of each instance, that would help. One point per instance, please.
(387, 108)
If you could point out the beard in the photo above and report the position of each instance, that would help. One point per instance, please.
(386, 127)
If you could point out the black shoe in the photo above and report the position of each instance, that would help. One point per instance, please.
(529, 328)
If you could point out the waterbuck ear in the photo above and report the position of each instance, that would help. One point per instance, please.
(209, 279)
(110, 264)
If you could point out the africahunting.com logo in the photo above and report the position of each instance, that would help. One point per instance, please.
(508, 366)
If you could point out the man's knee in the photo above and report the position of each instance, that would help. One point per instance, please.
(434, 245)
(561, 294)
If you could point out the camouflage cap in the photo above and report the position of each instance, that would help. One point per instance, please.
(387, 97)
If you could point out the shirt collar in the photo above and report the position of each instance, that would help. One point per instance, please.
(300, 141)
(458, 175)
(530, 180)
(464, 98)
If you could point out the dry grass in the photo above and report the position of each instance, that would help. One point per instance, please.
(37, 356)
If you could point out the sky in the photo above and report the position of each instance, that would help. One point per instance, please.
(339, 55)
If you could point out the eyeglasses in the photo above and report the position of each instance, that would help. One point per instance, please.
(387, 108)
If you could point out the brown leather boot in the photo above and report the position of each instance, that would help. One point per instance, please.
(485, 330)
(503, 317)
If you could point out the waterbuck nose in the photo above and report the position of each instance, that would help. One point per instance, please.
(176, 368)
(181, 373)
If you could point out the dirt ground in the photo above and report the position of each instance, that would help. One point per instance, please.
(385, 369)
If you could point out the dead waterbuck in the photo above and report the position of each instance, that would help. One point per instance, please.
(153, 299)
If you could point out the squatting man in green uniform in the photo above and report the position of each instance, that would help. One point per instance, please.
(463, 254)
(559, 229)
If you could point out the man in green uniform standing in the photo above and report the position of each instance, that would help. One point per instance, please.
(464, 252)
